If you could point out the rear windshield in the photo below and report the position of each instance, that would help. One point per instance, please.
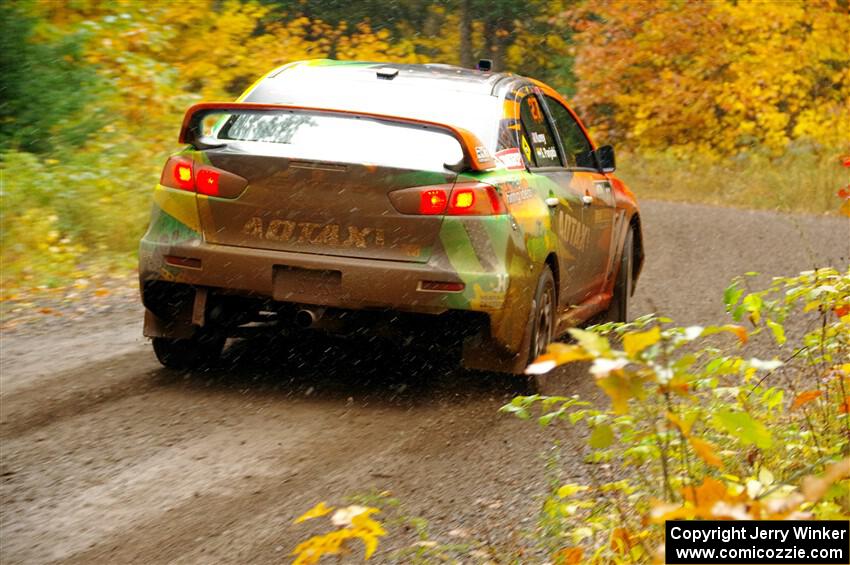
(345, 139)
(474, 111)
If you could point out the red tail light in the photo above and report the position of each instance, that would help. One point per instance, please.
(185, 174)
(207, 182)
(181, 174)
(433, 201)
(462, 199)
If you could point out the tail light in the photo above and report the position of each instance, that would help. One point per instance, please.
(185, 174)
(461, 199)
(207, 182)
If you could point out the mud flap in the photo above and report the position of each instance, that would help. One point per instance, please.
(157, 327)
(483, 353)
(199, 307)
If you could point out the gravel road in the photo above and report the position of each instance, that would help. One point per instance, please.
(106, 457)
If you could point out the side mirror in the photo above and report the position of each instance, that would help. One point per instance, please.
(605, 159)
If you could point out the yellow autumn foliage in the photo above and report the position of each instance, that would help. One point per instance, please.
(715, 77)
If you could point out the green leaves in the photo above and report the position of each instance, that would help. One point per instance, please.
(744, 428)
(731, 295)
(592, 342)
(601, 437)
(688, 415)
(778, 331)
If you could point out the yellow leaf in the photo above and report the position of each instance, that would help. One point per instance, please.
(706, 452)
(681, 424)
(557, 354)
(563, 353)
(635, 342)
(571, 489)
(371, 543)
(318, 510)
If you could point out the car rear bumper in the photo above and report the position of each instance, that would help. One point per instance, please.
(321, 280)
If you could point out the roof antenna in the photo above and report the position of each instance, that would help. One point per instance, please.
(387, 73)
(485, 65)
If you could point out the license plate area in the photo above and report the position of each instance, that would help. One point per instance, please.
(297, 284)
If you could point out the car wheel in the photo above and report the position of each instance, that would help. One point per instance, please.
(558, 381)
(545, 312)
(618, 310)
(202, 349)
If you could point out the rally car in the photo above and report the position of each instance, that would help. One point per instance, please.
(461, 210)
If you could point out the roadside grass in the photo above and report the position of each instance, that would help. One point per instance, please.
(800, 180)
(71, 219)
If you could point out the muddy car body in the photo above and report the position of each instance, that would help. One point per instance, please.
(419, 200)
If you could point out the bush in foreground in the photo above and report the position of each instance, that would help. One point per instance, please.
(694, 430)
(697, 430)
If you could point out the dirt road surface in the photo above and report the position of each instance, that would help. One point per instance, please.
(106, 457)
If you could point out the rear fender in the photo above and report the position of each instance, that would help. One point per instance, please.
(517, 244)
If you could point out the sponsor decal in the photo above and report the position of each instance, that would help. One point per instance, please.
(482, 154)
(534, 107)
(515, 192)
(604, 191)
(546, 152)
(510, 159)
(312, 233)
(538, 138)
(573, 232)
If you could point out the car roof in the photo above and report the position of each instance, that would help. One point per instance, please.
(445, 94)
(427, 76)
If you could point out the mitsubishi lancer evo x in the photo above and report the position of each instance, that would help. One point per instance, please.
(460, 210)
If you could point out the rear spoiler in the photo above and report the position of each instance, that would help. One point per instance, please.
(476, 155)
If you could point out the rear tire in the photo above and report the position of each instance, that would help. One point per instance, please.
(202, 349)
(545, 312)
(618, 310)
(543, 326)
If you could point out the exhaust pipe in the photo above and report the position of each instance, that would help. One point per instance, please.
(308, 317)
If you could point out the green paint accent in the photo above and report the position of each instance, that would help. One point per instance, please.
(499, 231)
(166, 229)
(458, 246)
(179, 204)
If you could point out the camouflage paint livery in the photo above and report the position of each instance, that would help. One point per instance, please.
(277, 238)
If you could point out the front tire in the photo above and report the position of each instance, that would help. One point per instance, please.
(201, 349)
